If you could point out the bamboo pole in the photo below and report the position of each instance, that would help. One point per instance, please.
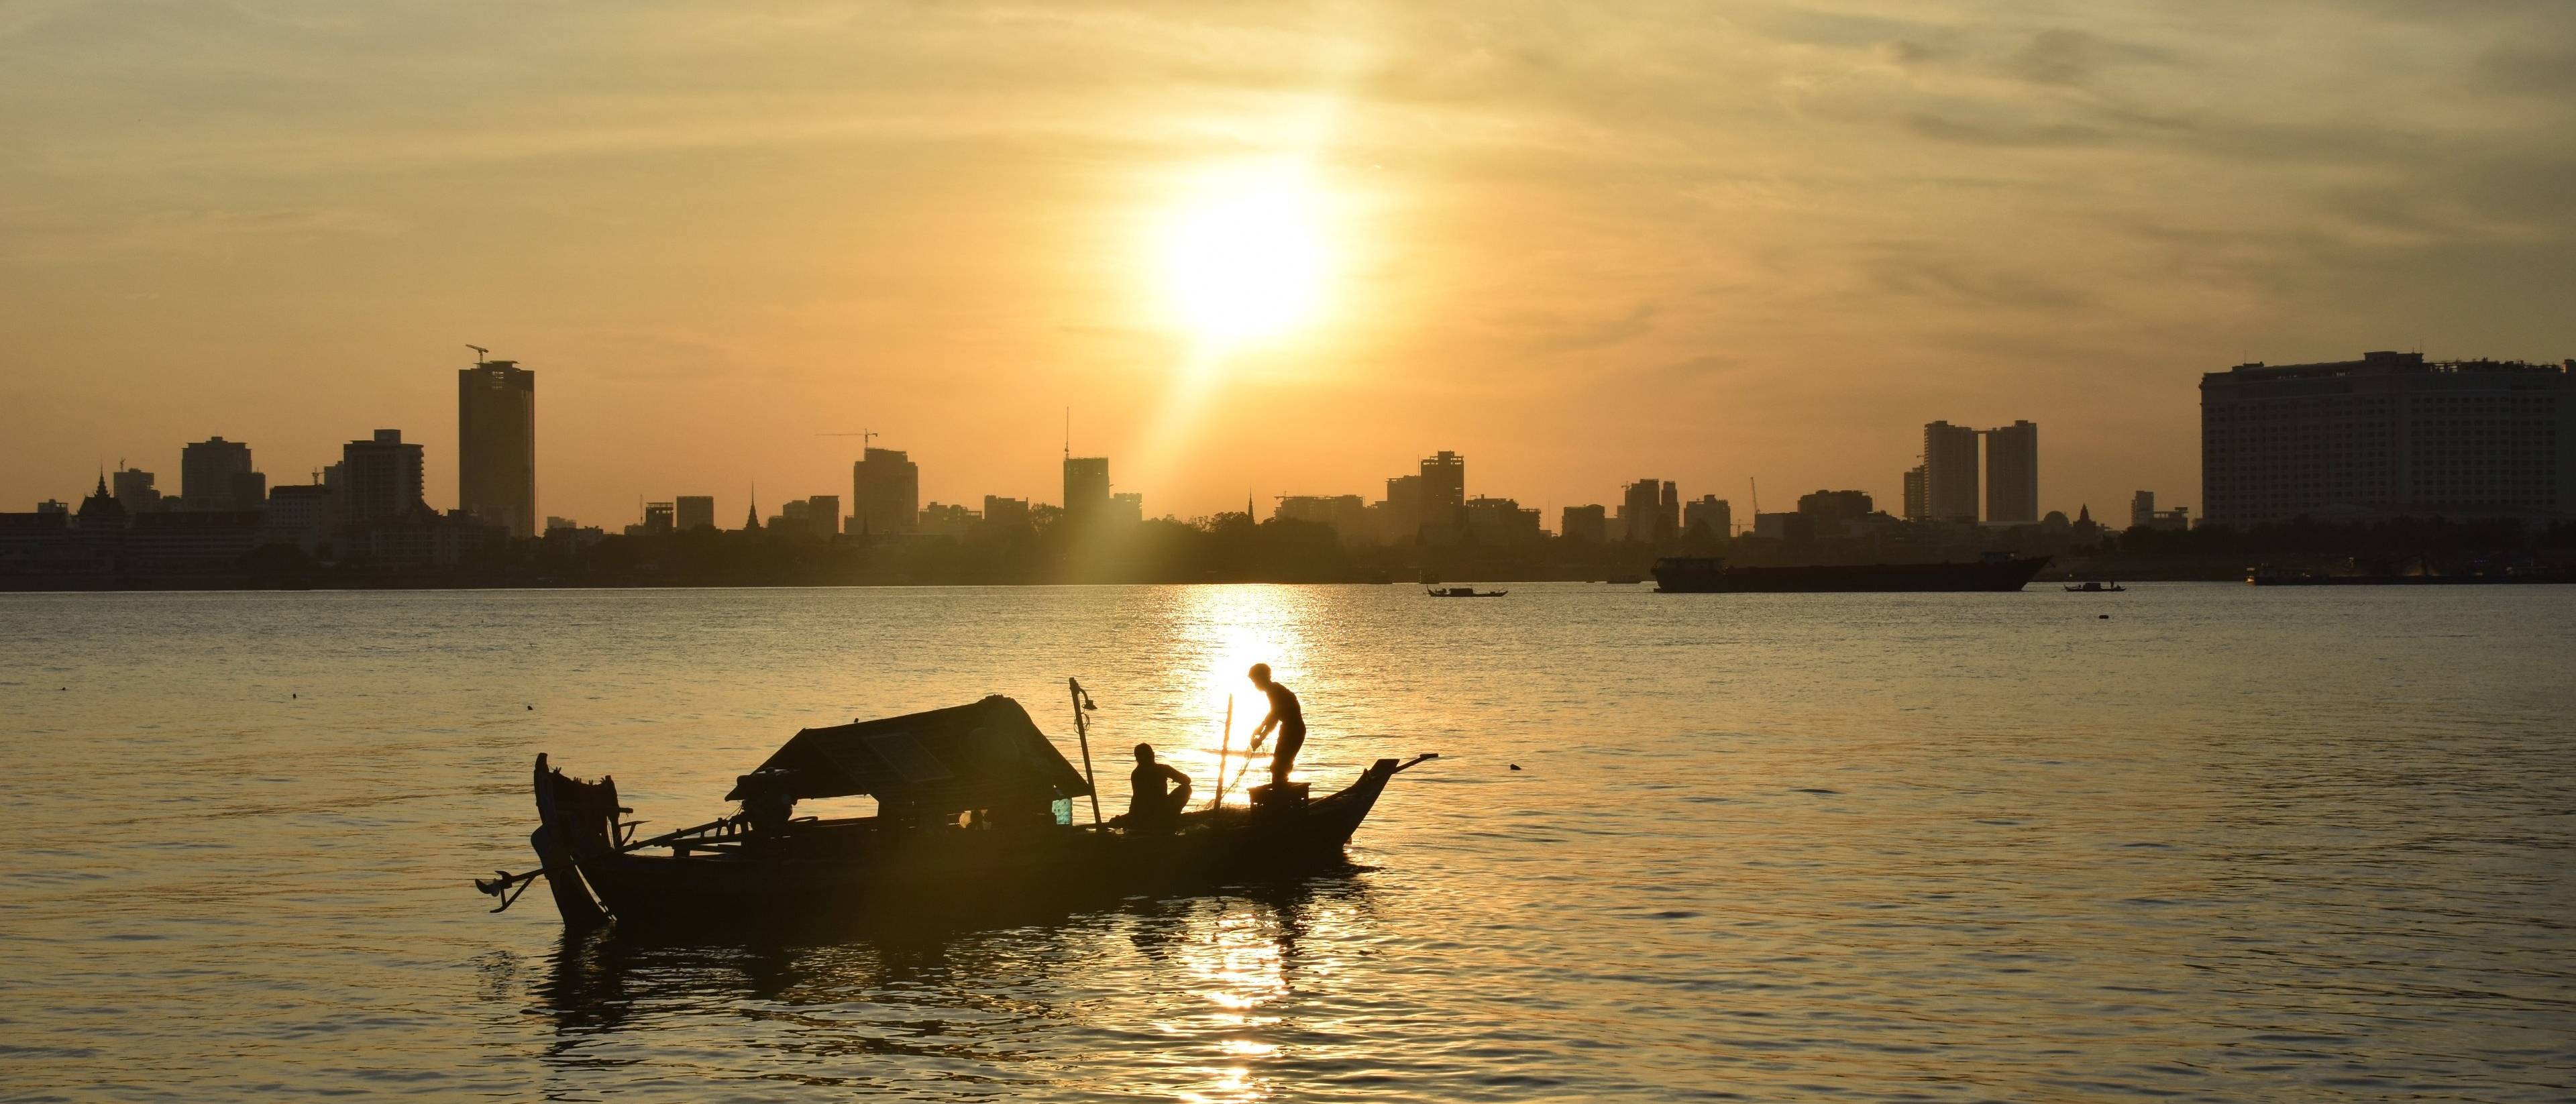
(1224, 745)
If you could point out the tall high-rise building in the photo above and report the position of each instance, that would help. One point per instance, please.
(379, 479)
(1708, 516)
(1444, 491)
(2391, 434)
(824, 513)
(1950, 472)
(885, 492)
(695, 511)
(1918, 503)
(1086, 489)
(1590, 524)
(1641, 512)
(206, 472)
(1400, 519)
(496, 445)
(2012, 474)
(1668, 513)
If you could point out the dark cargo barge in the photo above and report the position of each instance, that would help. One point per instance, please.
(1710, 575)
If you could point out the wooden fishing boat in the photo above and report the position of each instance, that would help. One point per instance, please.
(973, 816)
(1464, 592)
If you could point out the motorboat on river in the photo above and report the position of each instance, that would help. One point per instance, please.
(1464, 592)
(974, 813)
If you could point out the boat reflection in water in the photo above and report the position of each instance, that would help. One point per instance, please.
(902, 999)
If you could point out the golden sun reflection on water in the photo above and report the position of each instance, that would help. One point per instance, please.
(1240, 967)
(1229, 630)
(1782, 847)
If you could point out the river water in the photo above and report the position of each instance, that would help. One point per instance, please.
(2222, 844)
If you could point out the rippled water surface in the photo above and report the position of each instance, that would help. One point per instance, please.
(2226, 844)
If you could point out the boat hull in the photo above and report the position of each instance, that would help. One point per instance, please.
(1681, 575)
(855, 873)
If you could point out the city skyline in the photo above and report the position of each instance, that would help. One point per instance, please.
(496, 436)
(496, 431)
(497, 428)
(622, 505)
(1751, 243)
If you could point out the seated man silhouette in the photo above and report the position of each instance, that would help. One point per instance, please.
(1149, 803)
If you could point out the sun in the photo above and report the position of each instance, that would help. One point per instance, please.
(1243, 258)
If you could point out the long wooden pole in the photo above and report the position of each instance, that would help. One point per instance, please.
(1082, 731)
(1222, 747)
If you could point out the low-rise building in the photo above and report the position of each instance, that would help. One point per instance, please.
(948, 520)
(1347, 514)
(1493, 521)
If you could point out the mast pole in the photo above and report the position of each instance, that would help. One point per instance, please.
(1082, 731)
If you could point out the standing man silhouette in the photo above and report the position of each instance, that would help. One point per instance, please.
(1286, 716)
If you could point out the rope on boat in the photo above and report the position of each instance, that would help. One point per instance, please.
(1223, 747)
(1249, 751)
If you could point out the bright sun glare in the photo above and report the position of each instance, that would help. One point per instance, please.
(1244, 258)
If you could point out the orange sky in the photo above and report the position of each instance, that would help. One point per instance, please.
(1579, 243)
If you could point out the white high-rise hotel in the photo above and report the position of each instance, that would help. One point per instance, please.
(2389, 435)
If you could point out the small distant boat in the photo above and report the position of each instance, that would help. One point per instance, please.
(2095, 588)
(1464, 592)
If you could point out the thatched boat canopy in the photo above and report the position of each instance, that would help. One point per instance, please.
(980, 756)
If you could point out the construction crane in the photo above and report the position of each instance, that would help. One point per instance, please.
(867, 437)
(481, 354)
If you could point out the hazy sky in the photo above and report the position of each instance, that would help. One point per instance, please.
(1580, 243)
